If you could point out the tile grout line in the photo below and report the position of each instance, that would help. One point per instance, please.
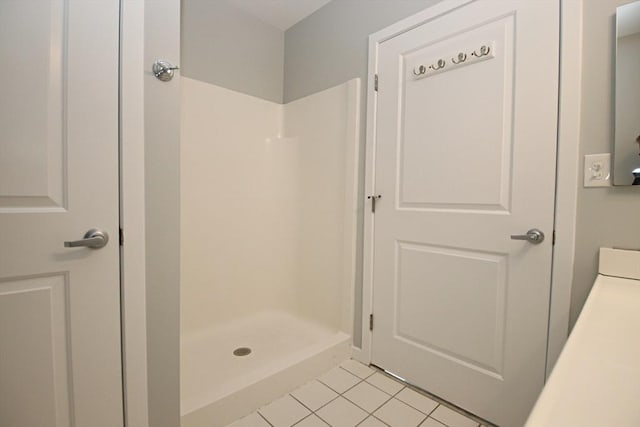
(360, 380)
(364, 380)
(316, 411)
(370, 414)
(392, 395)
(420, 410)
(439, 400)
(264, 418)
(395, 396)
(447, 425)
(366, 410)
(336, 391)
(438, 421)
(352, 373)
(380, 420)
(374, 417)
(401, 401)
(338, 396)
(300, 402)
(453, 410)
(441, 422)
(311, 415)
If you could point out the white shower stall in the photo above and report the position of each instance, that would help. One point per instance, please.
(268, 242)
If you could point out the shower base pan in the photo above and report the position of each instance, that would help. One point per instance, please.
(275, 352)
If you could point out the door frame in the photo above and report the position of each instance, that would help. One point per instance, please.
(132, 214)
(567, 169)
(151, 382)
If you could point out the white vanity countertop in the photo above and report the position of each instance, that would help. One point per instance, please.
(596, 381)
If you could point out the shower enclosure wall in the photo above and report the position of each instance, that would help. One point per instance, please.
(268, 214)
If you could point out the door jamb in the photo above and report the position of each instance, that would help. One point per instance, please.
(567, 177)
(567, 168)
(132, 214)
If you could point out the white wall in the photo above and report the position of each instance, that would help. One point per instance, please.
(225, 46)
(262, 214)
(323, 127)
(237, 204)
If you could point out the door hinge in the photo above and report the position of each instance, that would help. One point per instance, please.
(371, 322)
(121, 236)
(373, 202)
(375, 82)
(553, 238)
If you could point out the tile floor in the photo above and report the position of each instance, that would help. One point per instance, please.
(355, 395)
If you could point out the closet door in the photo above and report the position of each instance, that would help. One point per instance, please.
(465, 164)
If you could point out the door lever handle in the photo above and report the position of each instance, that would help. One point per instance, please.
(534, 236)
(93, 239)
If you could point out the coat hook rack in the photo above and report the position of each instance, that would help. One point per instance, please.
(462, 58)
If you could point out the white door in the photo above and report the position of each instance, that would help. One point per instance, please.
(465, 158)
(59, 307)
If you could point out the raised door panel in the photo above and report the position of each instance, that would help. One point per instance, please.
(32, 104)
(451, 303)
(34, 362)
(464, 84)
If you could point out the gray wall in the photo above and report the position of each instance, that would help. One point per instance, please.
(162, 215)
(330, 47)
(606, 216)
(227, 47)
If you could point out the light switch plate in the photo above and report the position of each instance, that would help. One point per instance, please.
(597, 170)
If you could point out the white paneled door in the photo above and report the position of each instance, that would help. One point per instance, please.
(465, 158)
(60, 358)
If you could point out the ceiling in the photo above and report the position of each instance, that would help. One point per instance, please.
(280, 13)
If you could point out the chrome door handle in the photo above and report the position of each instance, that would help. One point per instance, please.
(534, 236)
(93, 239)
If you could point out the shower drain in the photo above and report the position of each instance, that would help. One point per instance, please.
(242, 351)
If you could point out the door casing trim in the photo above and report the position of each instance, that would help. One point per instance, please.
(567, 169)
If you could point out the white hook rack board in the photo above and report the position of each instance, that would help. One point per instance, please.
(421, 69)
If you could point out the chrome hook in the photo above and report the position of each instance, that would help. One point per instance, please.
(163, 70)
(421, 70)
(440, 64)
(461, 58)
(484, 50)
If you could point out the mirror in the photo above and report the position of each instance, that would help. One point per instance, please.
(626, 168)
